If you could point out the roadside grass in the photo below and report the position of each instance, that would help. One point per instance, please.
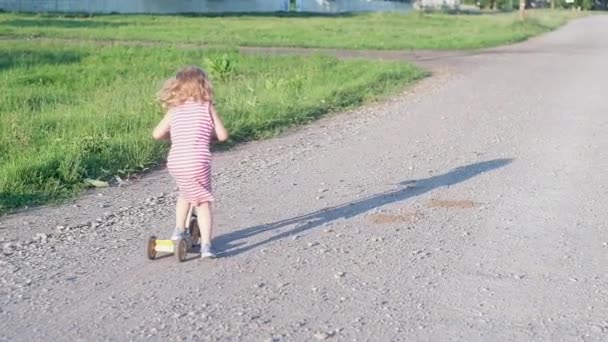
(352, 31)
(73, 112)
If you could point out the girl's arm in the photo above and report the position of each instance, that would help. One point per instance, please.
(220, 131)
(161, 131)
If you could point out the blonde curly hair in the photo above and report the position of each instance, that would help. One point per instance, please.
(190, 83)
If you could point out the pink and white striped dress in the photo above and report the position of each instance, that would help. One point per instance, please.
(189, 160)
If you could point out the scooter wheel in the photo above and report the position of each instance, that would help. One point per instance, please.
(151, 248)
(195, 232)
(181, 250)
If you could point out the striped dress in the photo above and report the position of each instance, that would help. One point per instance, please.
(189, 160)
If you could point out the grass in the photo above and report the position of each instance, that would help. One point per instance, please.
(73, 112)
(363, 31)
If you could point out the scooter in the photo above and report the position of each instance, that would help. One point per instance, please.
(180, 247)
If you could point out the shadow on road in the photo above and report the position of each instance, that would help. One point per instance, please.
(235, 243)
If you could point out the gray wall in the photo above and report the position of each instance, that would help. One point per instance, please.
(201, 6)
(332, 6)
(143, 6)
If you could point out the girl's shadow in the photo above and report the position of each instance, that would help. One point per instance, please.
(231, 244)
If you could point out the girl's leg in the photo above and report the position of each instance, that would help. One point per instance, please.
(203, 213)
(181, 214)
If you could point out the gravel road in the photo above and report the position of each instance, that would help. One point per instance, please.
(472, 207)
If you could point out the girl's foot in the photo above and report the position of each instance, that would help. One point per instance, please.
(207, 252)
(180, 234)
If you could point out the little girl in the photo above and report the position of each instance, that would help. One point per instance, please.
(190, 123)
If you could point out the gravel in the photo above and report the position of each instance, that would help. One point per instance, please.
(385, 265)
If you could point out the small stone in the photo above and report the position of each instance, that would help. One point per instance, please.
(322, 336)
(295, 237)
(60, 227)
(312, 244)
(519, 276)
(340, 275)
(597, 329)
(319, 198)
(323, 190)
(574, 280)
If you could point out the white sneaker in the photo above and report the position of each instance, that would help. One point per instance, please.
(180, 234)
(207, 252)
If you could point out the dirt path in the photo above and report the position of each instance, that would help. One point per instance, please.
(424, 58)
(473, 207)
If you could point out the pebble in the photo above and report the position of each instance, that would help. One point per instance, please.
(178, 315)
(322, 336)
(60, 227)
(519, 276)
(597, 329)
(340, 275)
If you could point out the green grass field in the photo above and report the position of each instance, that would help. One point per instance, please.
(364, 31)
(68, 113)
(74, 111)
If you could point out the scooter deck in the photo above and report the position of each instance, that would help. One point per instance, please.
(167, 246)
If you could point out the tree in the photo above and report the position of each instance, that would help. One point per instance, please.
(522, 9)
